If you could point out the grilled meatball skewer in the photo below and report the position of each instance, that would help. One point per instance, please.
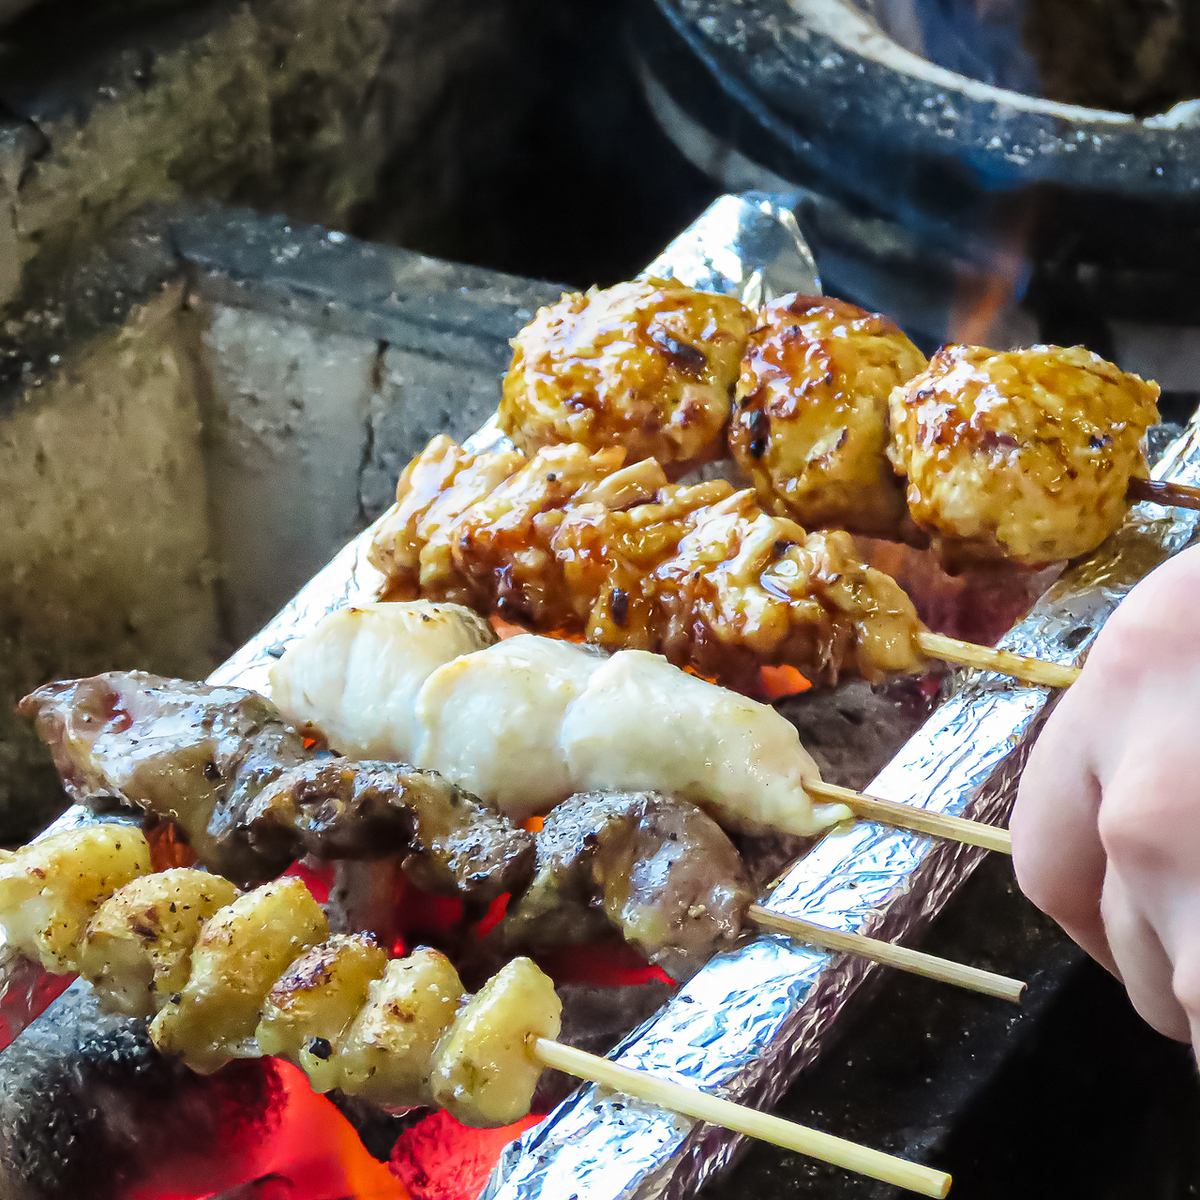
(810, 415)
(649, 365)
(1028, 456)
(263, 976)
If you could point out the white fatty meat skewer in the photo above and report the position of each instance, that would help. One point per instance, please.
(530, 720)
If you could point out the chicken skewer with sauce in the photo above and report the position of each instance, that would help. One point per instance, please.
(568, 541)
(225, 975)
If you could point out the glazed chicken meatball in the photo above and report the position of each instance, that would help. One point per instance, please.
(810, 418)
(1024, 455)
(649, 365)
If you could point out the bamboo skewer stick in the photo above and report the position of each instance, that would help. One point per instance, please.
(906, 816)
(1005, 662)
(701, 1106)
(1161, 491)
(916, 962)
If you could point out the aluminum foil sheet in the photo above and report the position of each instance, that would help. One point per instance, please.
(751, 1019)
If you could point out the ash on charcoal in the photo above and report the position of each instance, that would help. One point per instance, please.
(88, 1107)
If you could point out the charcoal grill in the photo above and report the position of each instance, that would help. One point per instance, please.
(252, 338)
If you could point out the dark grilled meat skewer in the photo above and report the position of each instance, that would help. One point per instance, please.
(658, 869)
(251, 797)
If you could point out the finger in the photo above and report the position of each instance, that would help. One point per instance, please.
(1059, 859)
(1142, 963)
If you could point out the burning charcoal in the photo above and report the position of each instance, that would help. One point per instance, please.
(88, 1108)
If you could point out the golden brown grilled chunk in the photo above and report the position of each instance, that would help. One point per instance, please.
(138, 947)
(311, 1004)
(647, 365)
(466, 526)
(398, 1034)
(1023, 455)
(50, 889)
(243, 949)
(810, 421)
(484, 1073)
(387, 1053)
(572, 542)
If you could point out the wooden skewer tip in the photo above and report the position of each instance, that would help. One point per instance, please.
(908, 816)
(1165, 492)
(915, 962)
(701, 1106)
(986, 658)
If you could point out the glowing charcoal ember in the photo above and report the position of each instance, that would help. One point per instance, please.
(778, 682)
(304, 1150)
(611, 964)
(441, 1159)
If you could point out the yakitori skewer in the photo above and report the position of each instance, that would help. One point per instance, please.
(251, 797)
(577, 542)
(429, 683)
(524, 723)
(225, 975)
(670, 881)
(912, 1177)
(908, 816)
(915, 962)
(1029, 456)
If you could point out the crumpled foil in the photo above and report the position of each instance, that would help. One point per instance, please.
(751, 1019)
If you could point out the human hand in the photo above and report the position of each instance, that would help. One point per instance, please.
(1106, 831)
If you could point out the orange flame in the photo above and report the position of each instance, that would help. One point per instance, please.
(779, 682)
